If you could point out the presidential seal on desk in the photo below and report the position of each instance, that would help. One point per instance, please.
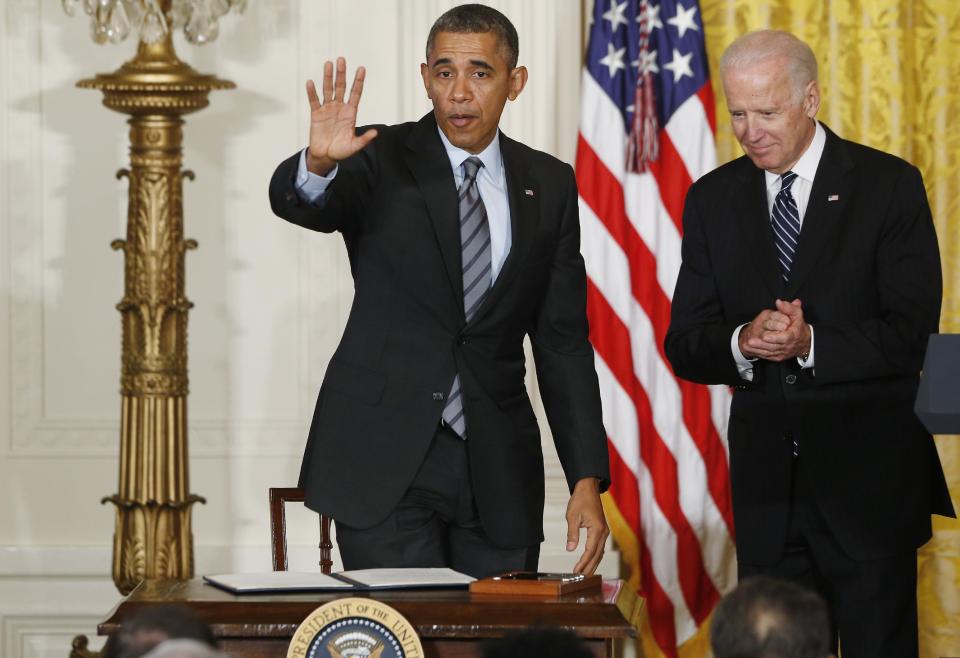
(355, 628)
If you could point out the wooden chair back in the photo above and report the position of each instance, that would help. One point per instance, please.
(278, 529)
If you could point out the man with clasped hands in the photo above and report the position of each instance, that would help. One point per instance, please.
(424, 447)
(810, 282)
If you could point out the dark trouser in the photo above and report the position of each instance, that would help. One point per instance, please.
(435, 524)
(873, 604)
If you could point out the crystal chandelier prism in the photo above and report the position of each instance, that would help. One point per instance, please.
(113, 20)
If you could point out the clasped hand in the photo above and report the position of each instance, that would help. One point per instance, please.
(776, 334)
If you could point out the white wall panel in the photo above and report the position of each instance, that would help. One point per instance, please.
(40, 615)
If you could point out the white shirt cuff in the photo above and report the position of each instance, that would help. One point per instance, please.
(744, 365)
(808, 362)
(310, 186)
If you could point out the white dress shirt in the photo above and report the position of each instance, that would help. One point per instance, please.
(805, 169)
(491, 181)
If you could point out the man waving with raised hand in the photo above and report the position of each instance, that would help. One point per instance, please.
(424, 447)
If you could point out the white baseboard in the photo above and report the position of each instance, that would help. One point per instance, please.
(26, 636)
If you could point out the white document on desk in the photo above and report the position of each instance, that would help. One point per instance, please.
(277, 581)
(355, 580)
(406, 578)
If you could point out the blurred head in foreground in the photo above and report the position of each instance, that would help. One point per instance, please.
(144, 631)
(769, 618)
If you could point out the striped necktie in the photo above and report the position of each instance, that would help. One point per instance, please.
(786, 224)
(475, 251)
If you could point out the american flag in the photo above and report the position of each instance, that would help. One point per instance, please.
(646, 133)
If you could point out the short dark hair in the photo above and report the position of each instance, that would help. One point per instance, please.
(476, 19)
(769, 618)
(152, 625)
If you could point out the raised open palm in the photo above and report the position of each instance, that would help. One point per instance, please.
(333, 122)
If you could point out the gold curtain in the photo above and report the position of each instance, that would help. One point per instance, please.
(889, 72)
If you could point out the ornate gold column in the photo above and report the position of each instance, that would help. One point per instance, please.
(152, 537)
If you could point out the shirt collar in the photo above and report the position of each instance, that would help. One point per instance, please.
(490, 156)
(806, 167)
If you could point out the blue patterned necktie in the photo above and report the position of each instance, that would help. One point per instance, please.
(785, 219)
(786, 224)
(475, 249)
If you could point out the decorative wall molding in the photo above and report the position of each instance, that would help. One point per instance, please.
(21, 139)
(30, 431)
(28, 636)
(40, 616)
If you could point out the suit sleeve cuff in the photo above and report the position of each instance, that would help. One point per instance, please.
(808, 362)
(744, 365)
(312, 188)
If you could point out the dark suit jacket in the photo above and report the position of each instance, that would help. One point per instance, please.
(395, 203)
(867, 270)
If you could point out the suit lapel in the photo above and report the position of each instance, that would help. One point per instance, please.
(831, 192)
(753, 215)
(524, 216)
(428, 161)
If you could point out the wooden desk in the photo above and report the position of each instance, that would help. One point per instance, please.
(449, 622)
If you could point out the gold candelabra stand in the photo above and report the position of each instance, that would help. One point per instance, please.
(152, 537)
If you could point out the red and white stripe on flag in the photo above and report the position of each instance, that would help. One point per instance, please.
(667, 437)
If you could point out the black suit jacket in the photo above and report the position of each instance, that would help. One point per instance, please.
(395, 204)
(867, 270)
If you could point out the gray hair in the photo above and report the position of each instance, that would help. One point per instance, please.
(768, 617)
(761, 45)
(476, 19)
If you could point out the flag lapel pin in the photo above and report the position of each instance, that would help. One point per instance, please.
(833, 197)
(528, 192)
